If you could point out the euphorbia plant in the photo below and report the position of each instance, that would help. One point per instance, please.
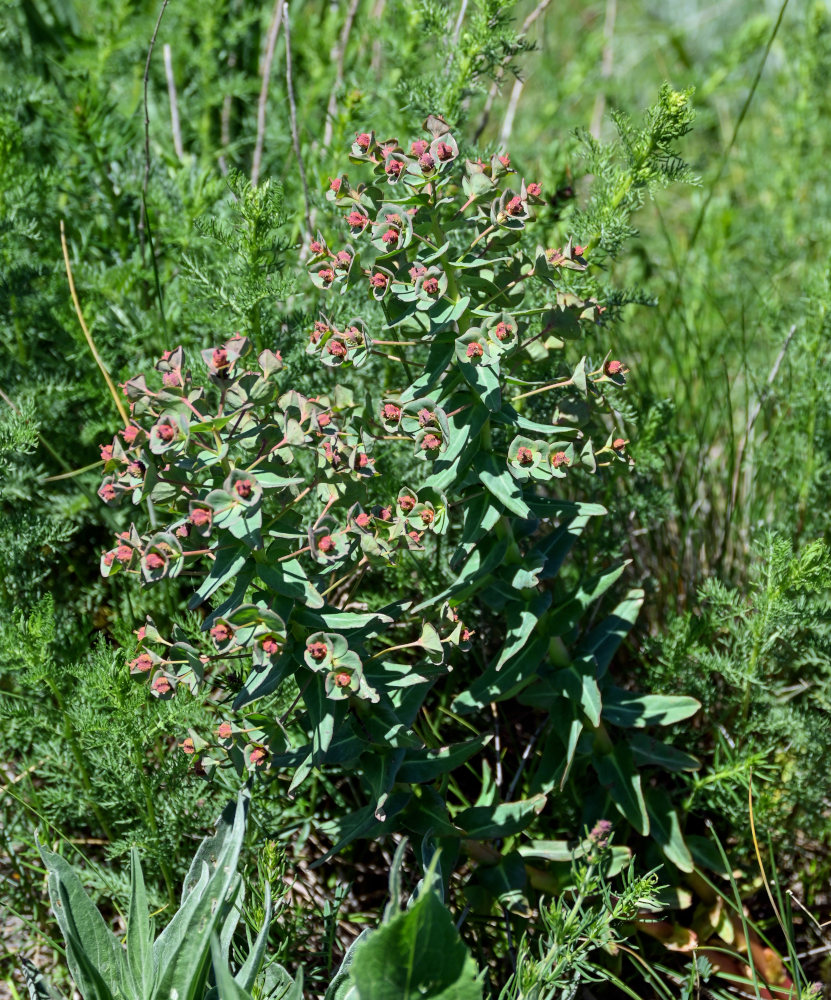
(295, 505)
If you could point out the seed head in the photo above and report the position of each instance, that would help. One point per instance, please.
(618, 444)
(136, 469)
(363, 140)
(394, 168)
(379, 280)
(390, 237)
(560, 458)
(220, 633)
(167, 432)
(426, 162)
(270, 645)
(357, 220)
(427, 516)
(109, 557)
(316, 246)
(154, 561)
(243, 488)
(326, 544)
(613, 367)
(444, 151)
(199, 516)
(430, 285)
(323, 420)
(107, 492)
(416, 537)
(406, 503)
(417, 270)
(343, 258)
(258, 756)
(514, 206)
(161, 685)
(363, 520)
(219, 358)
(187, 746)
(317, 650)
(534, 189)
(130, 433)
(363, 460)
(342, 679)
(124, 553)
(475, 350)
(336, 348)
(431, 442)
(525, 456)
(502, 330)
(334, 184)
(419, 147)
(106, 451)
(425, 417)
(223, 730)
(326, 275)
(391, 412)
(505, 161)
(182, 531)
(142, 663)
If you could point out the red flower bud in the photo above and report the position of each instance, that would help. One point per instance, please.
(378, 280)
(317, 650)
(107, 492)
(514, 206)
(417, 270)
(154, 561)
(475, 350)
(425, 417)
(525, 456)
(334, 184)
(323, 420)
(502, 330)
(136, 469)
(130, 433)
(343, 258)
(199, 516)
(444, 151)
(426, 162)
(613, 367)
(560, 458)
(336, 348)
(161, 685)
(223, 730)
(391, 411)
(326, 275)
(394, 168)
(419, 147)
(390, 237)
(342, 679)
(187, 746)
(106, 451)
(534, 189)
(171, 379)
(430, 285)
(270, 646)
(124, 553)
(362, 140)
(618, 444)
(316, 246)
(505, 161)
(109, 558)
(362, 520)
(406, 503)
(219, 358)
(258, 756)
(357, 220)
(167, 432)
(243, 488)
(427, 516)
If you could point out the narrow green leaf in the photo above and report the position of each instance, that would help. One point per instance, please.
(619, 776)
(628, 708)
(491, 822)
(666, 829)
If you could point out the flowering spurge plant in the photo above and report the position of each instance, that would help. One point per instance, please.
(298, 511)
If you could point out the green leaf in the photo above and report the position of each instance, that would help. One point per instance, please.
(429, 764)
(490, 822)
(227, 988)
(603, 641)
(578, 682)
(417, 954)
(502, 485)
(499, 684)
(289, 579)
(646, 750)
(619, 776)
(139, 931)
(229, 560)
(628, 708)
(93, 953)
(666, 829)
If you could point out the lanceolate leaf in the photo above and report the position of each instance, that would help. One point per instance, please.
(666, 829)
(490, 822)
(619, 776)
(628, 708)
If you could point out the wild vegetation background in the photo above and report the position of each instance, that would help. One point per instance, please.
(195, 228)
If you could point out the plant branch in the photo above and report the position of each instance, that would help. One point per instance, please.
(268, 59)
(146, 181)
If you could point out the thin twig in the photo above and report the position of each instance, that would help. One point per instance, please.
(143, 211)
(338, 57)
(752, 418)
(510, 113)
(110, 385)
(605, 66)
(459, 22)
(500, 72)
(268, 59)
(295, 138)
(174, 102)
(225, 120)
(376, 15)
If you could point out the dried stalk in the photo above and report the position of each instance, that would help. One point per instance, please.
(295, 138)
(143, 212)
(338, 57)
(98, 360)
(268, 59)
(174, 103)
